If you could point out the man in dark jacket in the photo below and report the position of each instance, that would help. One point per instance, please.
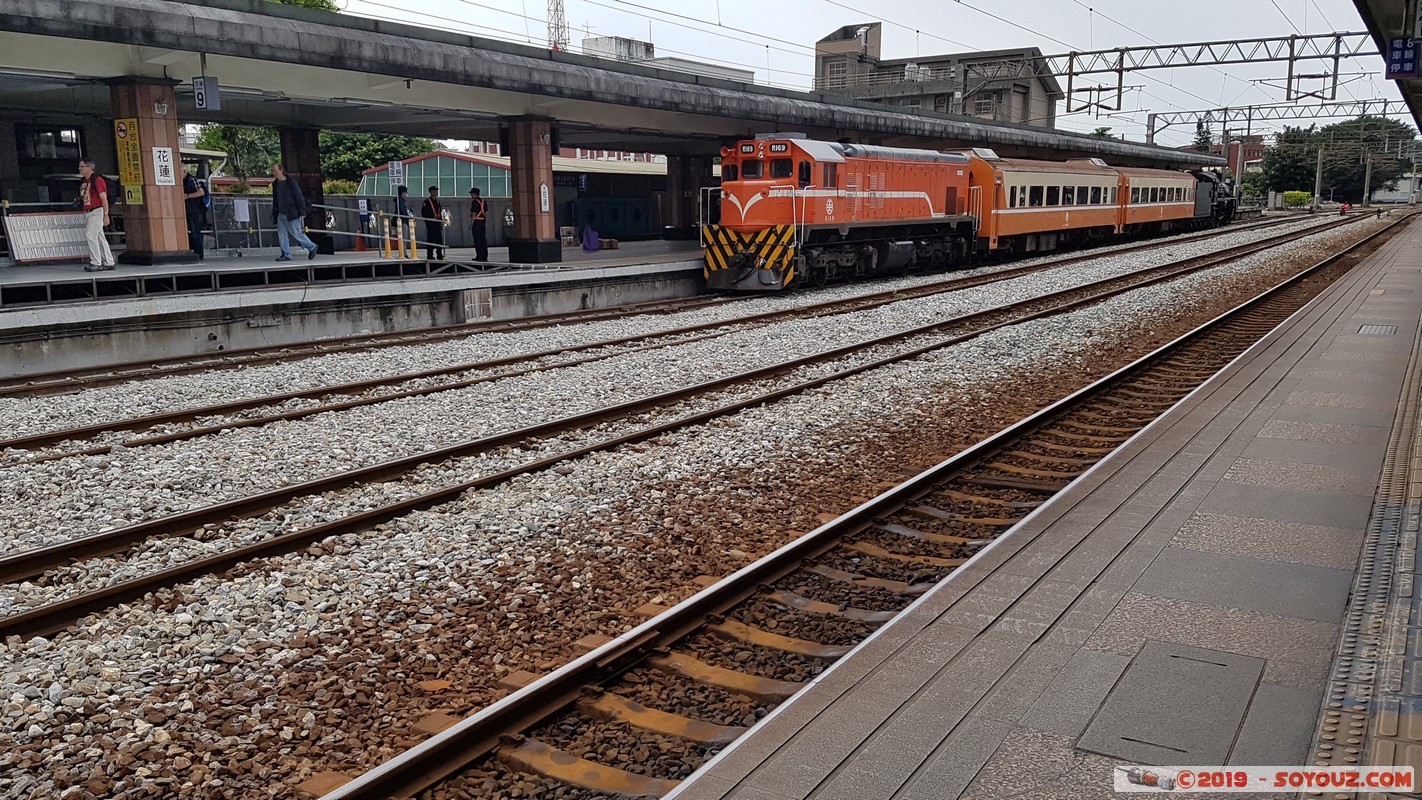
(432, 212)
(288, 209)
(195, 204)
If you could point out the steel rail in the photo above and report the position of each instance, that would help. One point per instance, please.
(59, 615)
(446, 753)
(824, 308)
(64, 381)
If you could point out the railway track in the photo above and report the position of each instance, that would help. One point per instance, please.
(66, 381)
(60, 614)
(635, 714)
(370, 392)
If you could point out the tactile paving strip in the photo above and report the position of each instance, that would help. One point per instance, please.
(1373, 712)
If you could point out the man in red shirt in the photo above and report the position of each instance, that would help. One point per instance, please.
(94, 200)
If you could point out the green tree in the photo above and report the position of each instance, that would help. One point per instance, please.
(1103, 132)
(320, 5)
(1203, 139)
(1346, 150)
(344, 156)
(1291, 164)
(250, 151)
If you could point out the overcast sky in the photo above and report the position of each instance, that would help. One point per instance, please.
(777, 40)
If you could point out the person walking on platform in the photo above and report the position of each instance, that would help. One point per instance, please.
(478, 219)
(196, 208)
(432, 211)
(288, 209)
(94, 201)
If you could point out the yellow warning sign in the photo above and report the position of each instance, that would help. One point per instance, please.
(130, 154)
(133, 195)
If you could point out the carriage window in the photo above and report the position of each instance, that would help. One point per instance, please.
(728, 172)
(1054, 195)
(1135, 195)
(1082, 194)
(1068, 195)
(1096, 195)
(831, 176)
(751, 169)
(1012, 197)
(1036, 195)
(1113, 195)
(806, 174)
(781, 168)
(1156, 195)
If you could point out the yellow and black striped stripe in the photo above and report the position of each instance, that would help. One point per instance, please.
(772, 248)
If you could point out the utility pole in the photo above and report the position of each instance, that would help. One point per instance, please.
(1368, 181)
(1317, 181)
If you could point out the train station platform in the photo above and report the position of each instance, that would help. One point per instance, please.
(56, 316)
(1235, 585)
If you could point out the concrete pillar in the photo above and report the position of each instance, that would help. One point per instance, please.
(535, 238)
(301, 156)
(686, 175)
(154, 223)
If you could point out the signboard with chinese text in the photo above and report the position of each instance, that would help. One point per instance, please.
(164, 171)
(1401, 58)
(130, 157)
(205, 94)
(396, 171)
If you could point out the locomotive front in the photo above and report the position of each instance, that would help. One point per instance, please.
(754, 247)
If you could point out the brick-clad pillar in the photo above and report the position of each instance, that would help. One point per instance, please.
(535, 239)
(301, 156)
(154, 222)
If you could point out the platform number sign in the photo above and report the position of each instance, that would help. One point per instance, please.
(396, 171)
(1401, 58)
(205, 94)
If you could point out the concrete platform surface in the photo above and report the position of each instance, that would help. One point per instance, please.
(1186, 602)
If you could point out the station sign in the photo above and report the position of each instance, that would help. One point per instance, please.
(396, 171)
(164, 171)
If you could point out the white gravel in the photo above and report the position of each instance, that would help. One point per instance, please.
(241, 675)
(64, 499)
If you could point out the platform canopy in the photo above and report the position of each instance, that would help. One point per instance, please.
(295, 67)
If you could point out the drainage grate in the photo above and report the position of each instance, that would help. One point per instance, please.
(1378, 330)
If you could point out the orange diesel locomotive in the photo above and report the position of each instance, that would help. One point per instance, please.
(796, 211)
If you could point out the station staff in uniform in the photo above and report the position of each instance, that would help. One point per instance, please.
(94, 200)
(432, 212)
(478, 218)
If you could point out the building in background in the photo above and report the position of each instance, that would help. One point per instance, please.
(620, 48)
(1000, 85)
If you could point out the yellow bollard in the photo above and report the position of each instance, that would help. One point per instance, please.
(385, 236)
(400, 240)
(413, 249)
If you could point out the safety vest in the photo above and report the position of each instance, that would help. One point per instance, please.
(479, 208)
